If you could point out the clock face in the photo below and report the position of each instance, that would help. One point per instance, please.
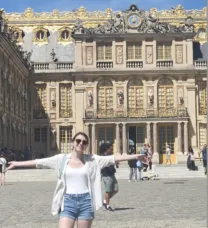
(133, 20)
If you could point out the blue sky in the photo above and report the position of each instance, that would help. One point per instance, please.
(93, 5)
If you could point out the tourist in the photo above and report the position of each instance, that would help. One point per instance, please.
(132, 166)
(204, 157)
(140, 167)
(108, 176)
(2, 169)
(191, 159)
(78, 193)
(168, 155)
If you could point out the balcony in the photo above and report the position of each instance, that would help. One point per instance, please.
(134, 64)
(200, 64)
(39, 114)
(53, 67)
(136, 113)
(104, 65)
(164, 63)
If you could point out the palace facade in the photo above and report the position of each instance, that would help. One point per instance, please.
(14, 72)
(128, 78)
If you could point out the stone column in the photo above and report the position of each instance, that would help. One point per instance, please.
(179, 138)
(186, 137)
(155, 138)
(148, 133)
(124, 139)
(117, 138)
(93, 139)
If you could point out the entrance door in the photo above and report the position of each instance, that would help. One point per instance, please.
(105, 135)
(166, 137)
(136, 137)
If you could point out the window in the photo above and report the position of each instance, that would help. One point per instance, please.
(202, 134)
(105, 95)
(65, 35)
(40, 97)
(165, 94)
(134, 51)
(40, 35)
(65, 95)
(104, 51)
(106, 135)
(135, 94)
(202, 97)
(164, 51)
(65, 139)
(41, 134)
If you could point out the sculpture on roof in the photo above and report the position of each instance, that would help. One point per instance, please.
(134, 19)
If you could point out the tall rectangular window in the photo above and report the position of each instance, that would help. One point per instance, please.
(134, 51)
(104, 51)
(40, 97)
(65, 139)
(164, 51)
(65, 100)
(41, 134)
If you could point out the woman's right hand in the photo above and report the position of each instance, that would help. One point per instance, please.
(12, 165)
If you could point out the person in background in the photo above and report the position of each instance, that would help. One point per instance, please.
(132, 166)
(2, 169)
(108, 176)
(168, 155)
(204, 157)
(150, 153)
(139, 166)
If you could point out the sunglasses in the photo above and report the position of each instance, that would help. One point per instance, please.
(84, 142)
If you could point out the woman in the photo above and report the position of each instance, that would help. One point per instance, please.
(2, 169)
(78, 192)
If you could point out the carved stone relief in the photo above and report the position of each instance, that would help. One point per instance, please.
(119, 54)
(89, 55)
(90, 98)
(180, 96)
(179, 54)
(149, 54)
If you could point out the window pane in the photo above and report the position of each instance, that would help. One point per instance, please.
(108, 52)
(100, 52)
(37, 134)
(44, 134)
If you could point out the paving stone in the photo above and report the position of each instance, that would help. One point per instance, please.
(167, 203)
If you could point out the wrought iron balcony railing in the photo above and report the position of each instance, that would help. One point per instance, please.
(39, 114)
(136, 113)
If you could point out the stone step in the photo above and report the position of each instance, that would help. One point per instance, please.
(164, 172)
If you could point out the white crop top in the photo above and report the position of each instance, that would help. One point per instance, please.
(77, 180)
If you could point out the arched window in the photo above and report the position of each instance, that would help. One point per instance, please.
(135, 94)
(202, 97)
(165, 94)
(40, 34)
(105, 95)
(65, 34)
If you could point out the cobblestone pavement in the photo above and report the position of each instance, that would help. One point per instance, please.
(156, 204)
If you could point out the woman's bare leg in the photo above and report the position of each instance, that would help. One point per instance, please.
(66, 223)
(84, 223)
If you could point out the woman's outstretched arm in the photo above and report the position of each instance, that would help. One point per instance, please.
(15, 164)
(127, 157)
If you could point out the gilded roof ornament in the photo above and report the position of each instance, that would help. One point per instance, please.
(134, 20)
(29, 13)
(179, 10)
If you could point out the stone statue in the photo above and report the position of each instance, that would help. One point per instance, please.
(90, 98)
(150, 97)
(78, 27)
(53, 98)
(120, 97)
(189, 26)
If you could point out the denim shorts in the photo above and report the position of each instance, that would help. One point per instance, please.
(77, 207)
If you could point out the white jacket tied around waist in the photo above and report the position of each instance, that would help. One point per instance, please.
(95, 164)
